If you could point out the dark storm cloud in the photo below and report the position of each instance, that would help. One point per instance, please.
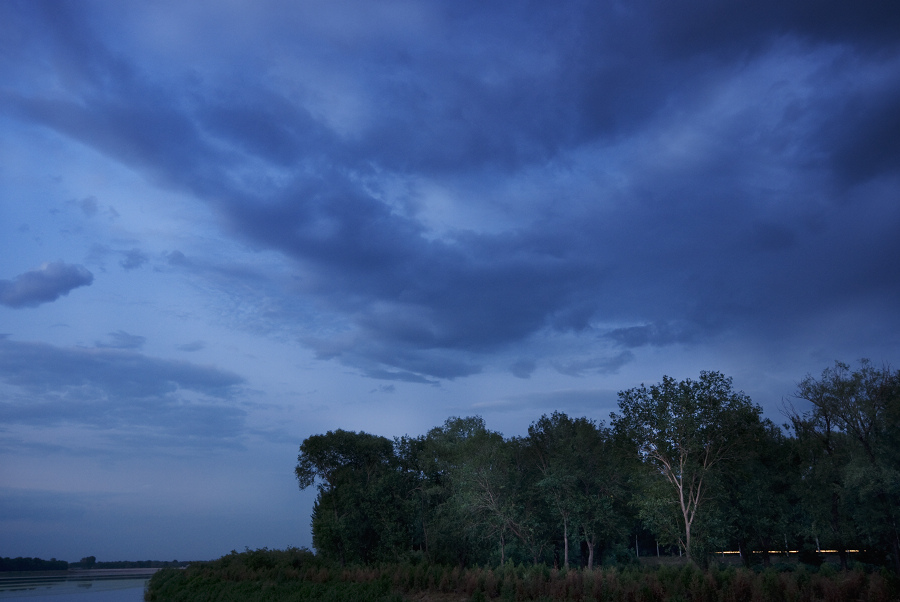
(43, 285)
(868, 135)
(711, 27)
(708, 160)
(266, 125)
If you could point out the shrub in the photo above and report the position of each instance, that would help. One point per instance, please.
(293, 574)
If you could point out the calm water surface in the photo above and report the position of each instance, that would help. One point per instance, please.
(75, 589)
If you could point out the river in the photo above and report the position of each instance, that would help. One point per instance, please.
(117, 585)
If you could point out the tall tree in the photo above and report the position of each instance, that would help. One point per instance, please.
(759, 495)
(552, 441)
(465, 467)
(525, 511)
(489, 493)
(582, 479)
(825, 453)
(863, 407)
(687, 431)
(360, 512)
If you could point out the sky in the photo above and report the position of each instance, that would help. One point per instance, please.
(227, 226)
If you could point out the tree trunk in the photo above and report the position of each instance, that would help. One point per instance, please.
(587, 555)
(766, 543)
(589, 543)
(746, 552)
(687, 539)
(566, 545)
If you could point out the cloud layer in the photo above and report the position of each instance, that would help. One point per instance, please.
(641, 175)
(128, 394)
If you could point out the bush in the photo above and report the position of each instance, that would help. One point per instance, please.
(295, 574)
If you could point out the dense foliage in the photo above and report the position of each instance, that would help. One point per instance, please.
(686, 467)
(267, 576)
(274, 576)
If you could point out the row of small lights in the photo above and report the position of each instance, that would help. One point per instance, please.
(790, 552)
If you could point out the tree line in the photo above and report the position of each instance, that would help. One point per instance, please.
(687, 467)
(31, 564)
(88, 562)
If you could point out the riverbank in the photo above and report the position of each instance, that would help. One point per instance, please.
(275, 576)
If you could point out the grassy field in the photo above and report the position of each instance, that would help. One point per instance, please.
(293, 575)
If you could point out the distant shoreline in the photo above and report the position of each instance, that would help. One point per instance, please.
(7, 577)
(102, 572)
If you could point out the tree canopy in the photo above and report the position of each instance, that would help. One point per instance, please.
(691, 465)
(688, 431)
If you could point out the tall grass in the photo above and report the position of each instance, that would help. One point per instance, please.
(269, 576)
(294, 574)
